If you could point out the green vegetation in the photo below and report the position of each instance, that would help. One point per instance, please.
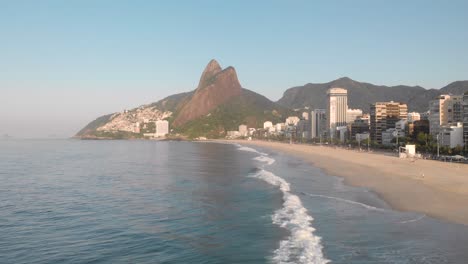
(250, 108)
(113, 135)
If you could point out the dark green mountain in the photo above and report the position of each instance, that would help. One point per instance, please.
(361, 95)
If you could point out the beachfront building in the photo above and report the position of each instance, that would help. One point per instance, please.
(280, 127)
(456, 106)
(162, 128)
(353, 114)
(452, 136)
(292, 120)
(413, 116)
(465, 120)
(243, 130)
(318, 123)
(267, 125)
(303, 129)
(233, 134)
(385, 115)
(337, 107)
(359, 126)
(439, 113)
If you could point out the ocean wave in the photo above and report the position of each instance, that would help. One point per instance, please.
(244, 148)
(302, 246)
(345, 201)
(412, 220)
(265, 159)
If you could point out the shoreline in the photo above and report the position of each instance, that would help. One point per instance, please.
(437, 189)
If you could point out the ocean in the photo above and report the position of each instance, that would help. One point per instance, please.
(74, 201)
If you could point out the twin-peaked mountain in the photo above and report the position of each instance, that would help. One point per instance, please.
(217, 105)
(216, 87)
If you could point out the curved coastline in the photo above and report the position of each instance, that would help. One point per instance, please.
(437, 189)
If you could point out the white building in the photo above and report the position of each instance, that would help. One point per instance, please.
(353, 114)
(233, 134)
(267, 125)
(337, 107)
(438, 113)
(305, 115)
(243, 130)
(452, 136)
(413, 116)
(279, 127)
(292, 120)
(162, 128)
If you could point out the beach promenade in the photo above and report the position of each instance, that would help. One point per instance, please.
(437, 189)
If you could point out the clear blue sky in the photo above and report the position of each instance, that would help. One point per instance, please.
(64, 63)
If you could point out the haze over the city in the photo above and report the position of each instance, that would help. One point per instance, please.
(64, 64)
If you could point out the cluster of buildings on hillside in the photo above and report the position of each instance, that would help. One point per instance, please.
(446, 120)
(152, 129)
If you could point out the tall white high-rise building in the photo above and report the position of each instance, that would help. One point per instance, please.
(438, 113)
(337, 107)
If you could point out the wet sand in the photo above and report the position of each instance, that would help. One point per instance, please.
(437, 189)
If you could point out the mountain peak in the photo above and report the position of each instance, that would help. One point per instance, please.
(216, 87)
(345, 79)
(210, 71)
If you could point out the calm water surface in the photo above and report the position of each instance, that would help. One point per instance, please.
(70, 201)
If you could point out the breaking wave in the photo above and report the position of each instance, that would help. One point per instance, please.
(302, 246)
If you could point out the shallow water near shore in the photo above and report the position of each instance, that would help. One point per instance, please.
(73, 201)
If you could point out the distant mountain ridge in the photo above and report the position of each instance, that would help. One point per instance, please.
(361, 94)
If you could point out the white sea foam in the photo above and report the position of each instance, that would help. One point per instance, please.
(345, 201)
(302, 246)
(265, 159)
(243, 148)
(413, 220)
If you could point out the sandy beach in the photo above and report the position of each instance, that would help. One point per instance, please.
(437, 189)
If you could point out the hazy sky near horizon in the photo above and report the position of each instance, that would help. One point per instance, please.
(64, 63)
